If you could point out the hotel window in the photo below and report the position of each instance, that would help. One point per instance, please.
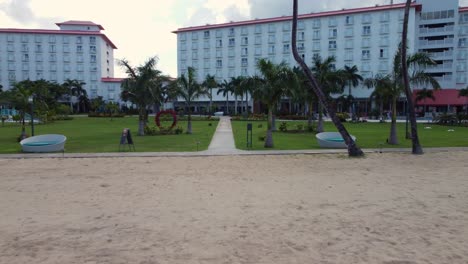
(366, 18)
(349, 32)
(11, 66)
(79, 40)
(66, 48)
(25, 67)
(11, 56)
(231, 73)
(349, 55)
(244, 52)
(39, 67)
(244, 72)
(301, 36)
(232, 42)
(244, 62)
(316, 23)
(219, 43)
(461, 78)
(244, 31)
(349, 20)
(52, 57)
(38, 48)
(271, 28)
(81, 77)
(92, 49)
(52, 48)
(79, 58)
(219, 54)
(79, 48)
(349, 44)
(25, 57)
(194, 55)
(332, 44)
(206, 55)
(39, 57)
(332, 22)
(384, 17)
(194, 35)
(383, 41)
(206, 34)
(245, 41)
(271, 49)
(53, 67)
(183, 46)
(300, 25)
(384, 29)
(286, 26)
(93, 58)
(79, 67)
(231, 32)
(383, 53)
(206, 44)
(271, 39)
(365, 66)
(400, 28)
(462, 42)
(258, 51)
(219, 63)
(383, 66)
(11, 76)
(366, 30)
(51, 39)
(39, 76)
(300, 47)
(38, 38)
(206, 64)
(401, 15)
(66, 39)
(92, 40)
(258, 40)
(195, 45)
(316, 34)
(231, 63)
(231, 53)
(286, 48)
(66, 76)
(258, 29)
(365, 54)
(10, 47)
(366, 42)
(10, 38)
(219, 33)
(24, 38)
(316, 45)
(332, 33)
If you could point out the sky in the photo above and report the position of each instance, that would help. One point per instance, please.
(142, 28)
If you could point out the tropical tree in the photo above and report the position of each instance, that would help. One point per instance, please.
(393, 83)
(189, 90)
(328, 78)
(226, 89)
(424, 94)
(464, 93)
(353, 149)
(142, 87)
(75, 90)
(112, 108)
(19, 96)
(352, 79)
(209, 83)
(96, 104)
(304, 94)
(273, 83)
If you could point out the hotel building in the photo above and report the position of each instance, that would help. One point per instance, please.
(77, 50)
(366, 37)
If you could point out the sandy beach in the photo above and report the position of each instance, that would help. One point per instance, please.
(387, 208)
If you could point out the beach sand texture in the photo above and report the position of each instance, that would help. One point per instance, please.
(385, 208)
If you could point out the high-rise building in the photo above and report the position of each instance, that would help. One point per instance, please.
(366, 37)
(78, 50)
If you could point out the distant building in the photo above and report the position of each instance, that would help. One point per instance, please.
(78, 50)
(366, 37)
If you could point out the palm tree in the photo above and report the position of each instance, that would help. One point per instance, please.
(20, 94)
(464, 93)
(353, 149)
(142, 87)
(209, 83)
(304, 94)
(75, 90)
(352, 79)
(393, 83)
(189, 90)
(328, 78)
(226, 89)
(423, 94)
(274, 81)
(237, 86)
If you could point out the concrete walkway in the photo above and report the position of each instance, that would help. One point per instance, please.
(223, 138)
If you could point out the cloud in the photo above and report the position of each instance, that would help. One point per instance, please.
(20, 11)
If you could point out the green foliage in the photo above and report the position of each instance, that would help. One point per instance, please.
(283, 127)
(179, 130)
(342, 116)
(299, 127)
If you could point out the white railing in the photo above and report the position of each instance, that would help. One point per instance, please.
(442, 66)
(436, 42)
(436, 30)
(444, 54)
(446, 78)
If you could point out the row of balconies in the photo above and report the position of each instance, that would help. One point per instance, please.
(446, 29)
(439, 42)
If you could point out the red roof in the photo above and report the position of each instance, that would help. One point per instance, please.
(79, 23)
(112, 79)
(61, 32)
(463, 9)
(288, 18)
(443, 97)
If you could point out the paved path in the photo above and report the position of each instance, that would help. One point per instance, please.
(223, 138)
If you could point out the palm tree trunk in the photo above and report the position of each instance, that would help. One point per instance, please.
(353, 149)
(189, 121)
(393, 139)
(141, 122)
(211, 101)
(320, 119)
(235, 104)
(310, 114)
(417, 148)
(269, 135)
(227, 104)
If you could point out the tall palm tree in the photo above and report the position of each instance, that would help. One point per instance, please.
(237, 86)
(273, 83)
(209, 83)
(464, 93)
(353, 149)
(423, 94)
(226, 89)
(352, 78)
(328, 78)
(141, 87)
(304, 94)
(75, 90)
(20, 94)
(189, 90)
(393, 83)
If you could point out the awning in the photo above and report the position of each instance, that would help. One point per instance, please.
(443, 97)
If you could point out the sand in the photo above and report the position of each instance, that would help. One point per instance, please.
(386, 208)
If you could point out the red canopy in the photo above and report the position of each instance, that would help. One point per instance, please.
(443, 97)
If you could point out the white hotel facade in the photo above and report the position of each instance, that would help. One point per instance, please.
(365, 37)
(77, 50)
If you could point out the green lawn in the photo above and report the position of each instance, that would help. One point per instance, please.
(86, 134)
(369, 135)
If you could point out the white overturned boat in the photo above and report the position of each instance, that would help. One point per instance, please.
(44, 143)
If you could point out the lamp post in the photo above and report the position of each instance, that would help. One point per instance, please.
(31, 100)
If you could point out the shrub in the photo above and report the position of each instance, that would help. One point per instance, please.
(178, 130)
(94, 114)
(300, 127)
(311, 128)
(342, 116)
(260, 125)
(262, 138)
(283, 127)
